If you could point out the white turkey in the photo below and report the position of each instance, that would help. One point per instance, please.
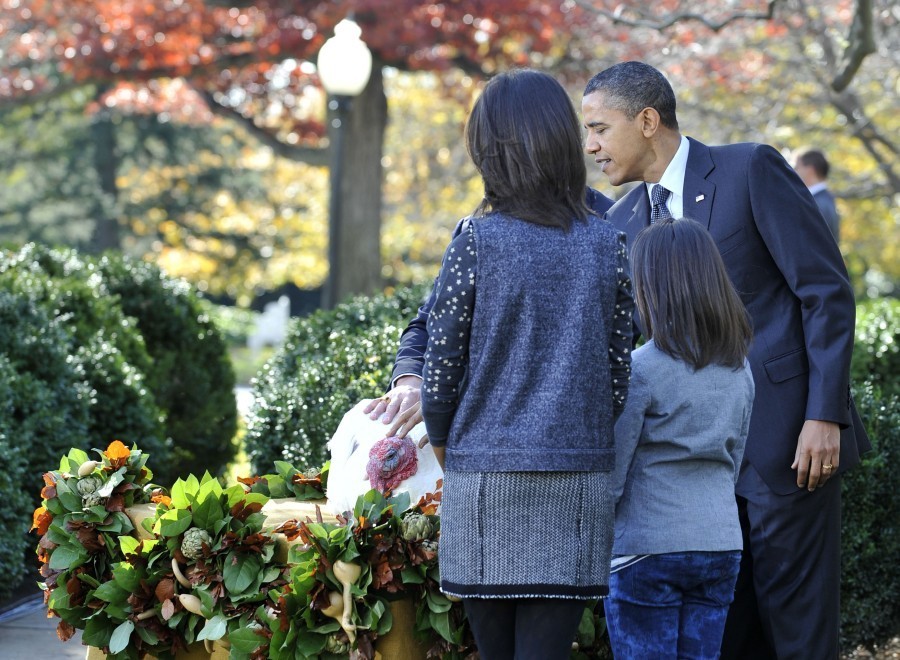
(362, 458)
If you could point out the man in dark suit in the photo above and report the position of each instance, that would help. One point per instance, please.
(812, 167)
(782, 260)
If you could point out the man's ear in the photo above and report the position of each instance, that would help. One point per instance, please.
(648, 121)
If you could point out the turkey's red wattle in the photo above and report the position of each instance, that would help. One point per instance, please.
(391, 460)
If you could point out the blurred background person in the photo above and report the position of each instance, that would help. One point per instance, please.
(812, 166)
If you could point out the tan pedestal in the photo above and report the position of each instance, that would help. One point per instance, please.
(401, 643)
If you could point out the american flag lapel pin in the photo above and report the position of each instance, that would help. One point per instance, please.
(699, 198)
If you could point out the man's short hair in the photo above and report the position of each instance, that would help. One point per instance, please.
(815, 159)
(632, 86)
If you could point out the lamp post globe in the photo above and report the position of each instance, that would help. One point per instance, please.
(345, 62)
(344, 66)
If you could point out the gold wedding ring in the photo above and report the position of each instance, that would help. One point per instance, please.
(827, 466)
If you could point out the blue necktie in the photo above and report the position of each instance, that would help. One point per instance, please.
(658, 210)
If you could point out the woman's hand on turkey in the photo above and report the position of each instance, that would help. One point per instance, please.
(404, 395)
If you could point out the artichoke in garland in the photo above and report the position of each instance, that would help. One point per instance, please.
(335, 645)
(192, 543)
(92, 499)
(88, 485)
(416, 527)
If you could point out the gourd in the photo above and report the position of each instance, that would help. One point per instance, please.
(191, 603)
(347, 573)
(87, 467)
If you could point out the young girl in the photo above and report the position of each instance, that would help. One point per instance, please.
(679, 445)
(526, 368)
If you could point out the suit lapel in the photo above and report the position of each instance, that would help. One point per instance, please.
(640, 212)
(698, 191)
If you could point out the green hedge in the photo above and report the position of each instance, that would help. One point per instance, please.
(329, 361)
(191, 377)
(876, 353)
(93, 350)
(870, 584)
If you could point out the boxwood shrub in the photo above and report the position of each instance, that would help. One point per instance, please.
(191, 376)
(43, 411)
(870, 581)
(329, 361)
(876, 352)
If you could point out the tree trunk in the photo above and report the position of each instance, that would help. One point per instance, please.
(103, 134)
(355, 256)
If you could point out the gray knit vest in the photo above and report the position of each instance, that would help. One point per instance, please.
(537, 394)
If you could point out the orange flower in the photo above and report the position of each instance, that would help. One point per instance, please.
(117, 453)
(41, 520)
(159, 498)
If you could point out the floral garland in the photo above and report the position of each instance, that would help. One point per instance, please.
(206, 570)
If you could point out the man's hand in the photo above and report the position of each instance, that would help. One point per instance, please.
(405, 394)
(818, 453)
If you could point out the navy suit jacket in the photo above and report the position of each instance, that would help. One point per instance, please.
(410, 355)
(789, 273)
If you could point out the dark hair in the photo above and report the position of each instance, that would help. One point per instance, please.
(687, 303)
(524, 136)
(815, 159)
(632, 86)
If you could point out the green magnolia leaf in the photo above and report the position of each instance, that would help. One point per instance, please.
(272, 572)
(385, 618)
(241, 571)
(148, 635)
(128, 544)
(277, 486)
(208, 511)
(114, 480)
(120, 637)
(215, 628)
(77, 456)
(209, 487)
(69, 499)
(97, 632)
(311, 644)
(111, 592)
(127, 577)
(173, 522)
(440, 621)
(411, 575)
(245, 640)
(437, 602)
(89, 579)
(182, 488)
(68, 556)
(285, 470)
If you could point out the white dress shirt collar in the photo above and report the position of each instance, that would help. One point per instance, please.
(673, 179)
(817, 187)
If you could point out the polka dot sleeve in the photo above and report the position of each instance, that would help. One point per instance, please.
(449, 327)
(620, 340)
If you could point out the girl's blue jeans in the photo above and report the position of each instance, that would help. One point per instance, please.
(671, 605)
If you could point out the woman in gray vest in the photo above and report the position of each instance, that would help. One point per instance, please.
(526, 369)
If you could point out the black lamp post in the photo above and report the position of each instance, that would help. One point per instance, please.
(344, 64)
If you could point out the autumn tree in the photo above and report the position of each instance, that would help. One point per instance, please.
(247, 61)
(740, 68)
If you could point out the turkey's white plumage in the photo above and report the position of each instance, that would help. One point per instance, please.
(350, 446)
